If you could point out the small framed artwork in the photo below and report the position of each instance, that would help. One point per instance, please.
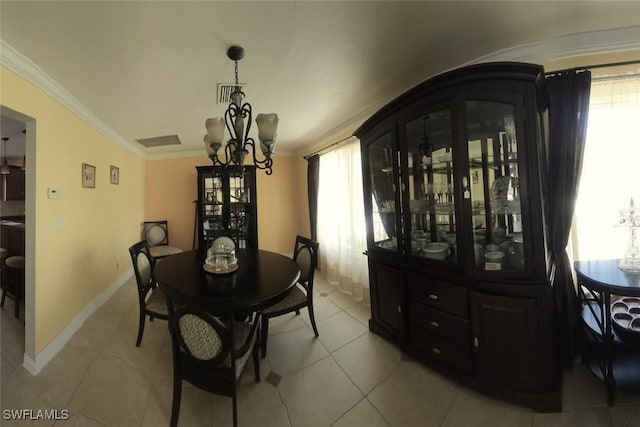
(88, 176)
(114, 172)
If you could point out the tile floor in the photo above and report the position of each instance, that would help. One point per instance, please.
(348, 377)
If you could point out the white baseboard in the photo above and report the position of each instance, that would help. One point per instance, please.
(45, 356)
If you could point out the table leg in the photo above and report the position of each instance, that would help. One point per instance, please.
(608, 337)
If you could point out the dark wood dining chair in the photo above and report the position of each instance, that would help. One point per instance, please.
(157, 235)
(210, 351)
(305, 253)
(151, 301)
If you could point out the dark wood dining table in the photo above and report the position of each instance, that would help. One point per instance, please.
(262, 279)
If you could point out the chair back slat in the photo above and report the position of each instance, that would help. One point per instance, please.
(305, 254)
(143, 265)
(202, 338)
(304, 261)
(223, 242)
(156, 233)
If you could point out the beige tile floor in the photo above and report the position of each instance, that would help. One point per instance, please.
(347, 377)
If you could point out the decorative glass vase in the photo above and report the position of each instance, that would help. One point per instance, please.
(630, 217)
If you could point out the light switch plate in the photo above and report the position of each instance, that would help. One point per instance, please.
(53, 192)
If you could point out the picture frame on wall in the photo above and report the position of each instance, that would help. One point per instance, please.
(88, 176)
(114, 173)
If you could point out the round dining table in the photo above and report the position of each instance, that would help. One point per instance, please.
(262, 279)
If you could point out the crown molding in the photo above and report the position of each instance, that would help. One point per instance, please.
(577, 44)
(25, 68)
(585, 43)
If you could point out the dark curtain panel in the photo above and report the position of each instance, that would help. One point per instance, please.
(313, 177)
(568, 111)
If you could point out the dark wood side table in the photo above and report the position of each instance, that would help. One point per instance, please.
(612, 359)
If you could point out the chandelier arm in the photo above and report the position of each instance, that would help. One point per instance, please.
(247, 113)
(264, 164)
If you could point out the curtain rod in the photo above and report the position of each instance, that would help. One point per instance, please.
(327, 147)
(589, 67)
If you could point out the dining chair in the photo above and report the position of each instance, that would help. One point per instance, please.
(157, 235)
(151, 301)
(210, 351)
(305, 253)
(224, 240)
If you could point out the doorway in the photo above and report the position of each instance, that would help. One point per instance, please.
(18, 335)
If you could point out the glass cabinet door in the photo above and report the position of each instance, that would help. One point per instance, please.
(240, 199)
(213, 202)
(382, 156)
(227, 201)
(430, 192)
(494, 186)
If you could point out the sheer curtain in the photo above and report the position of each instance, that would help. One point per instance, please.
(341, 226)
(610, 169)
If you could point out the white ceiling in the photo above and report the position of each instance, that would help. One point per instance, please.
(150, 68)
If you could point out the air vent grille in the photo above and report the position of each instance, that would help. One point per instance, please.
(158, 141)
(226, 89)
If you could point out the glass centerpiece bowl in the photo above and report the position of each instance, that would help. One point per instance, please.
(221, 259)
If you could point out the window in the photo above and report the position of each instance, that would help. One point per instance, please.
(341, 226)
(610, 170)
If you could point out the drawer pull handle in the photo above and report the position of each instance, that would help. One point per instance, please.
(476, 343)
(433, 296)
(436, 350)
(434, 324)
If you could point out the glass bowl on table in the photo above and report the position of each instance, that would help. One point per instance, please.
(221, 259)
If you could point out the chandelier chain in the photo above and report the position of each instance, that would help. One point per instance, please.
(237, 84)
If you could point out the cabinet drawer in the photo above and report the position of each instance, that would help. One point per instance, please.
(443, 296)
(452, 328)
(437, 348)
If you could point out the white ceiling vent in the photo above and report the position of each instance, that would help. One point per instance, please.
(158, 141)
(226, 89)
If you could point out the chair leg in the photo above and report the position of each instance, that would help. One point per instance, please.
(4, 293)
(313, 319)
(140, 328)
(17, 296)
(177, 395)
(256, 360)
(235, 410)
(263, 335)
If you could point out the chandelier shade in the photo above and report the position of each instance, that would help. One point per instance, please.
(237, 120)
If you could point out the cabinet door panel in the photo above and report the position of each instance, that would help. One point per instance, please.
(494, 184)
(386, 297)
(507, 341)
(382, 166)
(430, 184)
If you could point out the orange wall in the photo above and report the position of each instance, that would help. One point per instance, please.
(171, 188)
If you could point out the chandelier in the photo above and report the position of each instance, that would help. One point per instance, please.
(240, 143)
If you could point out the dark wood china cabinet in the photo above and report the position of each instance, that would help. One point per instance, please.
(227, 205)
(454, 184)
